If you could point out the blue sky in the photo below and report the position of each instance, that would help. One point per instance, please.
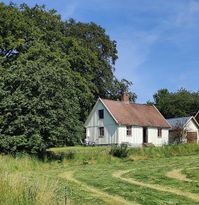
(157, 41)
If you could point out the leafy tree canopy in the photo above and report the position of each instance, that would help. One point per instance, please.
(52, 71)
(177, 104)
(120, 87)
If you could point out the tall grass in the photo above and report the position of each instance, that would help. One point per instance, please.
(84, 154)
(101, 154)
(165, 151)
(26, 180)
(19, 187)
(15, 189)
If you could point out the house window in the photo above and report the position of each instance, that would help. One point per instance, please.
(159, 132)
(128, 130)
(101, 131)
(101, 114)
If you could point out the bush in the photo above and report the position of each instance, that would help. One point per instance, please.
(120, 151)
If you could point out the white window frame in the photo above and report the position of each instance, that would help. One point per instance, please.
(128, 129)
(101, 131)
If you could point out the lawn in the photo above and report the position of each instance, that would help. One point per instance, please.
(92, 176)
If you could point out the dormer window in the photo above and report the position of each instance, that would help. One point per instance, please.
(101, 114)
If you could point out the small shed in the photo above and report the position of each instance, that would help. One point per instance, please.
(185, 129)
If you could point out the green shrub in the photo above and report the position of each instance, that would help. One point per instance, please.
(85, 162)
(120, 151)
(15, 144)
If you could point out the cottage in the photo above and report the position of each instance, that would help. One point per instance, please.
(185, 129)
(117, 122)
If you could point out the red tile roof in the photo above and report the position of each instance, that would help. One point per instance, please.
(135, 114)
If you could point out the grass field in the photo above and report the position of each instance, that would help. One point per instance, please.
(168, 175)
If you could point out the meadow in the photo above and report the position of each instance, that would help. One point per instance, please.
(90, 175)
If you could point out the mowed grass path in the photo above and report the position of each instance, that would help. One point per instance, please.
(147, 172)
(94, 177)
(159, 173)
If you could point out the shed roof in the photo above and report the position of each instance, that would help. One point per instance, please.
(135, 114)
(179, 121)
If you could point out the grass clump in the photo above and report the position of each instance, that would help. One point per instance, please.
(192, 173)
(120, 151)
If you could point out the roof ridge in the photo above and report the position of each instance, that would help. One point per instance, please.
(178, 117)
(132, 103)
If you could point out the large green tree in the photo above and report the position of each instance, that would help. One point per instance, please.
(39, 105)
(94, 38)
(52, 72)
(177, 104)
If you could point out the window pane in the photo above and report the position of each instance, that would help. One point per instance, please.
(159, 132)
(101, 131)
(128, 130)
(101, 114)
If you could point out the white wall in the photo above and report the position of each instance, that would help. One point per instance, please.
(135, 140)
(153, 136)
(192, 127)
(116, 134)
(110, 127)
(137, 136)
(189, 127)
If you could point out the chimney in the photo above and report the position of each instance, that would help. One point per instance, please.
(125, 98)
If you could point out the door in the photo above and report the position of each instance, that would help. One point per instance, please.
(145, 137)
(191, 137)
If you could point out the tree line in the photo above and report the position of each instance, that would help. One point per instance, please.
(182, 103)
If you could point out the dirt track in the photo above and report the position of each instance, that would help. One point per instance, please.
(110, 199)
(192, 196)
